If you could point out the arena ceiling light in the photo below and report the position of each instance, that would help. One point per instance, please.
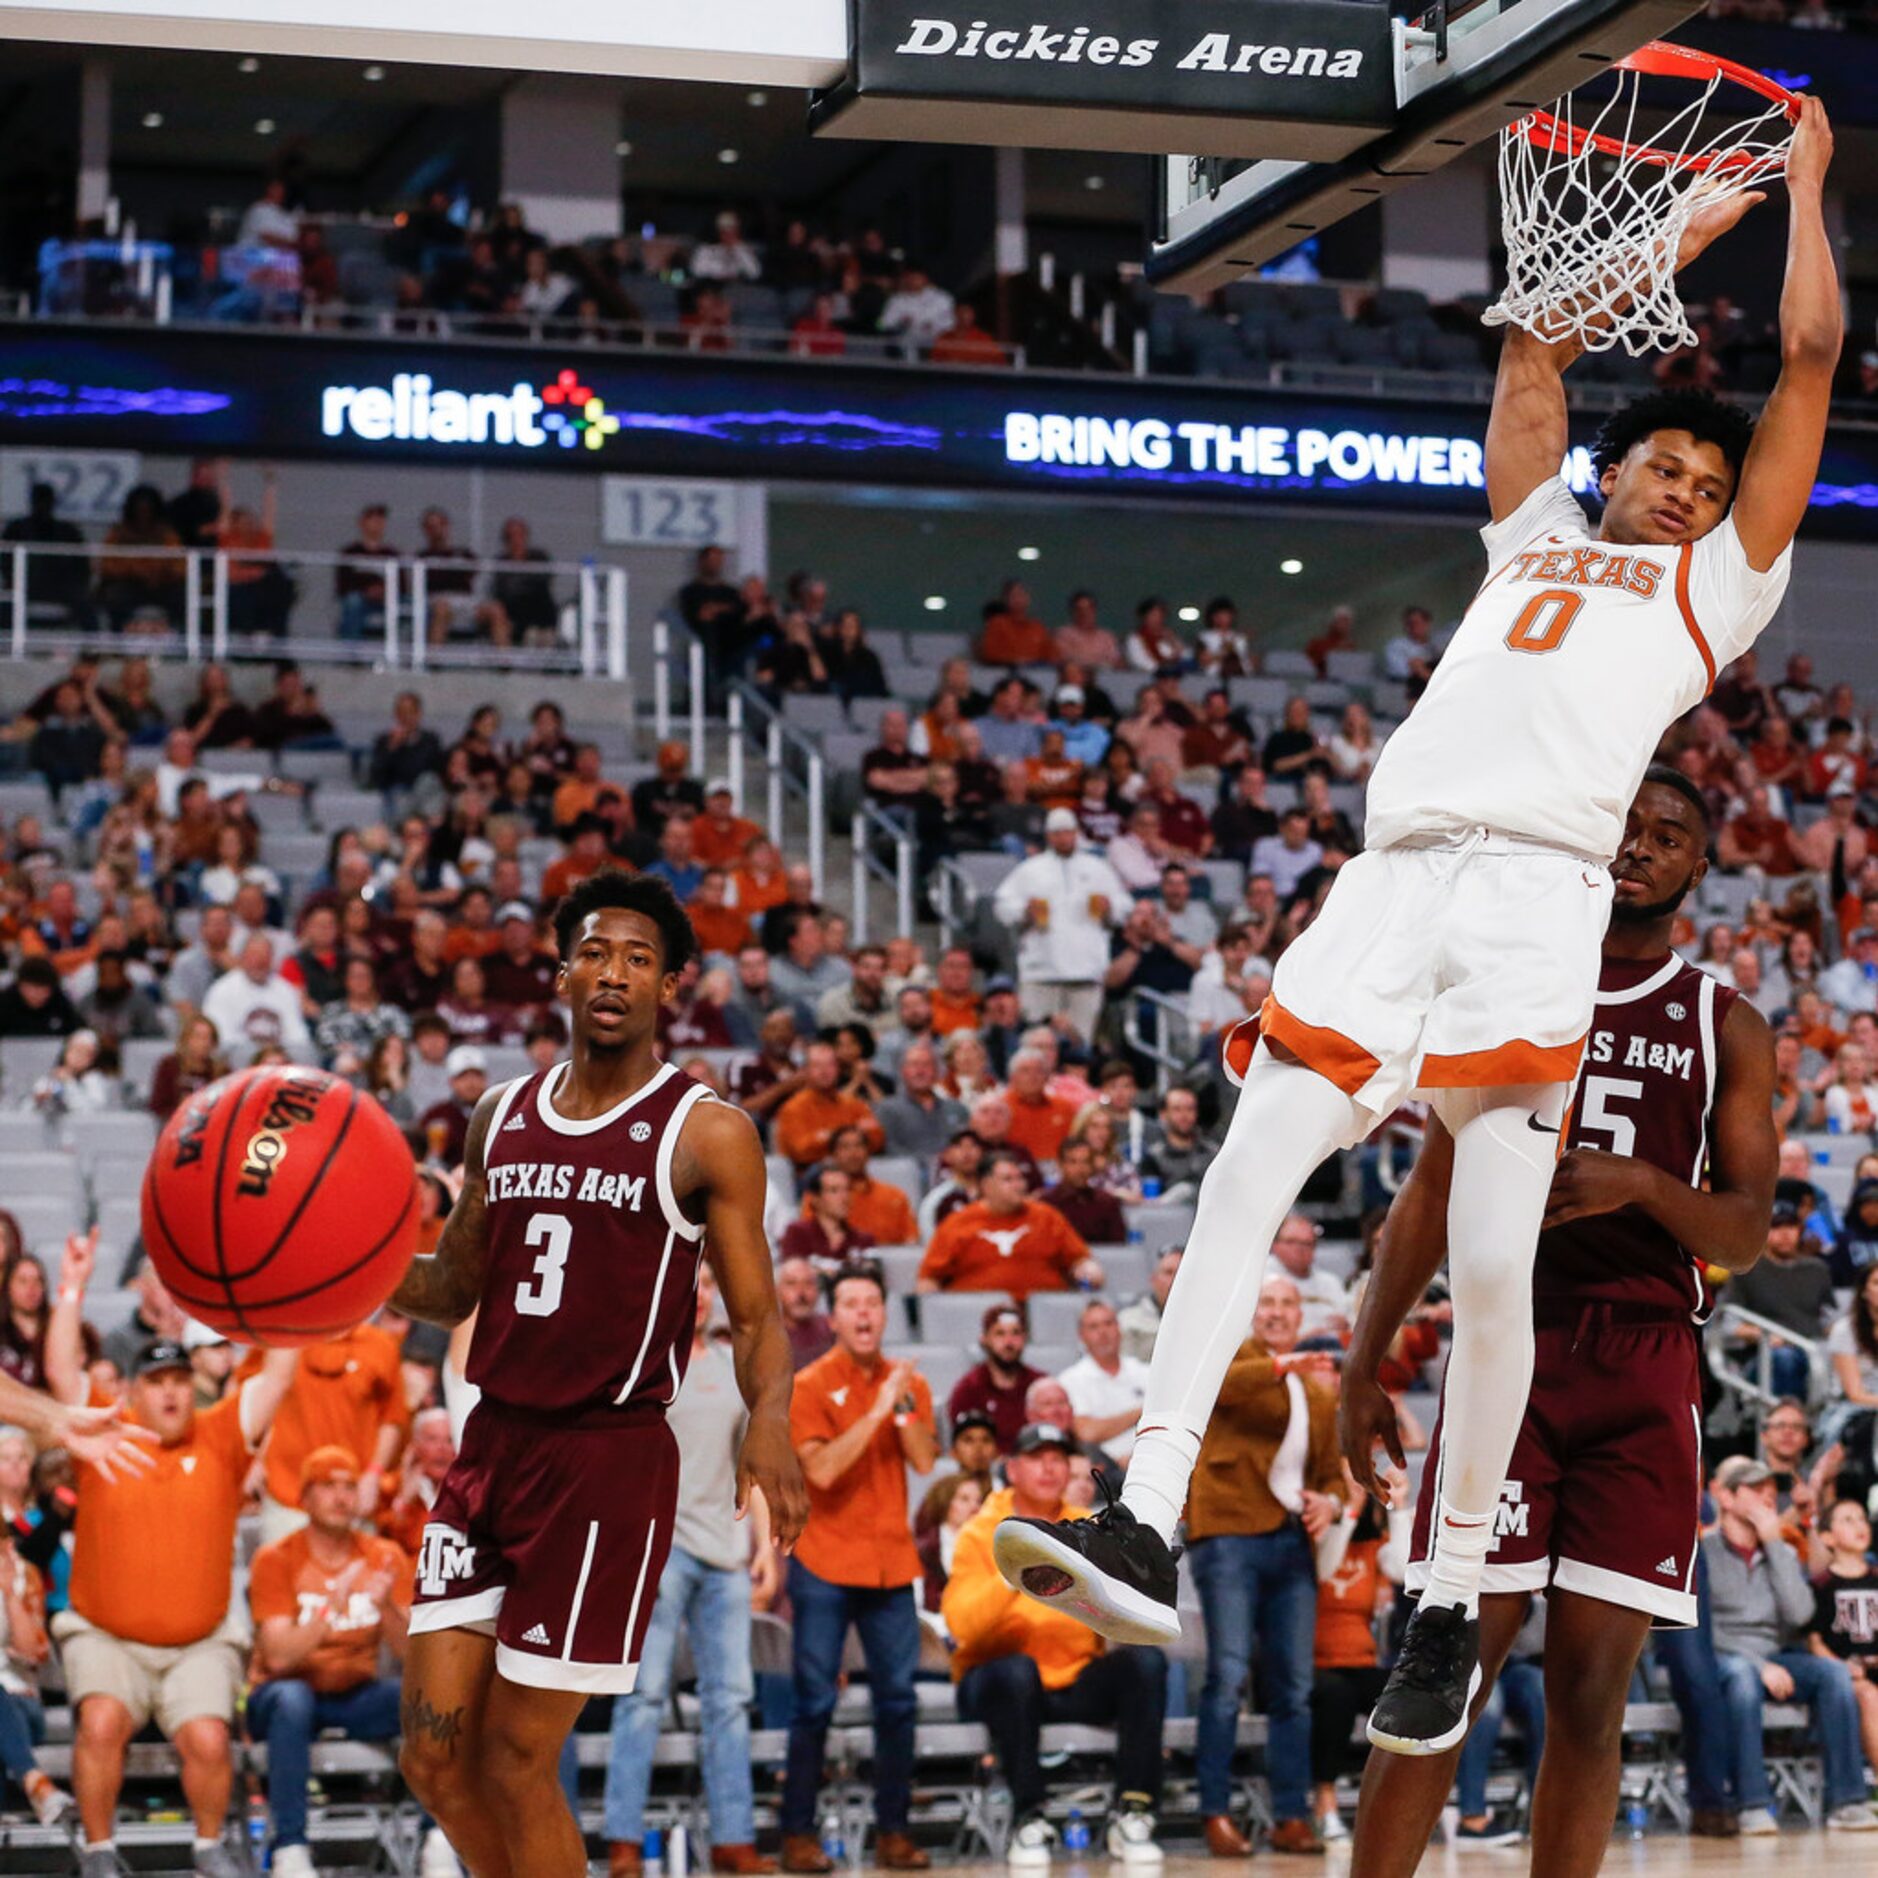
(264, 127)
(1291, 567)
(1190, 614)
(728, 156)
(153, 120)
(373, 74)
(935, 603)
(623, 148)
(1030, 554)
(250, 64)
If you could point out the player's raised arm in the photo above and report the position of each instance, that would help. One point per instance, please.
(1726, 1222)
(720, 1157)
(1527, 431)
(445, 1287)
(1783, 460)
(1413, 1244)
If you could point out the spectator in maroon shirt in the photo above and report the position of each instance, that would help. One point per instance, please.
(824, 1237)
(1183, 822)
(518, 973)
(765, 1085)
(805, 1323)
(445, 1125)
(425, 975)
(996, 1386)
(1096, 1215)
(193, 1064)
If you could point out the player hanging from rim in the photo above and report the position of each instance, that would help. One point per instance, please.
(1459, 954)
(590, 1193)
(1677, 1084)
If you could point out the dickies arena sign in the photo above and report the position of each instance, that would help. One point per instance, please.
(1305, 79)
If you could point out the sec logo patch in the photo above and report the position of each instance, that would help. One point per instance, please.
(641, 1131)
(1675, 1013)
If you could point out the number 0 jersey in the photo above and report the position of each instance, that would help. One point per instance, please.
(1572, 660)
(1651, 1070)
(590, 1292)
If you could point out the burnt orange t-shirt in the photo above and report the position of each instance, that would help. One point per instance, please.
(286, 1580)
(806, 1122)
(1346, 1610)
(881, 1211)
(858, 1531)
(712, 846)
(951, 1013)
(153, 1554)
(720, 928)
(1040, 1128)
(756, 896)
(975, 1249)
(1055, 785)
(343, 1393)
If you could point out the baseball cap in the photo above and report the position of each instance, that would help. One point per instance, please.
(514, 909)
(1035, 1435)
(1858, 938)
(201, 1336)
(1069, 694)
(1004, 981)
(465, 1056)
(718, 786)
(1785, 1213)
(1742, 1470)
(165, 1353)
(997, 1313)
(331, 1462)
(973, 1418)
(1061, 822)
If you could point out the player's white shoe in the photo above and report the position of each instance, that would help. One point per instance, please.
(1131, 1837)
(1757, 1822)
(1029, 1849)
(293, 1861)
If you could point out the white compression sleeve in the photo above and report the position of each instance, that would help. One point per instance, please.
(1288, 1119)
(1505, 1152)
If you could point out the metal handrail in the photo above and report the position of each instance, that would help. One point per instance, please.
(599, 608)
(795, 768)
(870, 821)
(1171, 1011)
(1760, 1388)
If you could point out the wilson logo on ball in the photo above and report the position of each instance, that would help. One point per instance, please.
(268, 1148)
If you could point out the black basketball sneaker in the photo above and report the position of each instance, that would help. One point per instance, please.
(1424, 1707)
(1114, 1573)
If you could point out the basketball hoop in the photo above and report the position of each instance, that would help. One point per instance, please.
(1592, 215)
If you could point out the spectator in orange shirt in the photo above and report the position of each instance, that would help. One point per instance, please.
(324, 1599)
(1055, 776)
(721, 928)
(582, 792)
(720, 837)
(966, 342)
(1040, 1121)
(858, 1422)
(1006, 1242)
(427, 1458)
(1756, 837)
(586, 855)
(1014, 635)
(877, 1207)
(348, 1393)
(806, 1124)
(149, 1633)
(955, 1005)
(759, 882)
(825, 1235)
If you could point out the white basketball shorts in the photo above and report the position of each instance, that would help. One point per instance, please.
(1472, 964)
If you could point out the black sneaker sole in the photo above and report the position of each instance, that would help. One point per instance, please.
(1409, 1746)
(1041, 1566)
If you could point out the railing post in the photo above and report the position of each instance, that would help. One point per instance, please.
(857, 918)
(589, 612)
(391, 614)
(773, 750)
(733, 715)
(192, 605)
(420, 616)
(694, 676)
(218, 605)
(19, 601)
(616, 623)
(661, 680)
(903, 855)
(818, 821)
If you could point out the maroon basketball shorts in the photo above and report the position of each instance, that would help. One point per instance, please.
(551, 1535)
(1603, 1490)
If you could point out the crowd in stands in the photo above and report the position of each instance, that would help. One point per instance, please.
(981, 1167)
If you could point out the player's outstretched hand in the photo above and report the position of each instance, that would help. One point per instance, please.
(1811, 155)
(1366, 1417)
(102, 1437)
(768, 1465)
(1712, 221)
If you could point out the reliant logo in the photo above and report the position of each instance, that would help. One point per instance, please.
(1060, 45)
(412, 409)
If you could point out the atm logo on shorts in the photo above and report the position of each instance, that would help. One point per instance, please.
(445, 1556)
(1512, 1517)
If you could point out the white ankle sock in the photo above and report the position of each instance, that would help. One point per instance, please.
(1503, 1171)
(1287, 1120)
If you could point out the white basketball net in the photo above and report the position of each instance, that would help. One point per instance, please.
(1591, 233)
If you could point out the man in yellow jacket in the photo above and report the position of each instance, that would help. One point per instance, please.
(1020, 1664)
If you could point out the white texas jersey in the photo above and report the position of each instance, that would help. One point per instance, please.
(1574, 658)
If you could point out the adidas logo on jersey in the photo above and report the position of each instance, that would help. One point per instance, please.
(1667, 1568)
(535, 1635)
(515, 1123)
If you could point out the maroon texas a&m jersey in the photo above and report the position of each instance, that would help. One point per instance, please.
(1646, 1088)
(590, 1292)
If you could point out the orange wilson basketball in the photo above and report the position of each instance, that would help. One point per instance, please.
(280, 1206)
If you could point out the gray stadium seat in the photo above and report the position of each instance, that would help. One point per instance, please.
(951, 1319)
(24, 1132)
(284, 812)
(815, 715)
(346, 807)
(1287, 662)
(1126, 1267)
(138, 1058)
(1054, 1316)
(127, 1131)
(1351, 668)
(40, 1176)
(120, 1220)
(899, 1265)
(317, 766)
(902, 1171)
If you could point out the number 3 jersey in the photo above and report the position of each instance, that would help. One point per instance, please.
(1647, 1089)
(1572, 660)
(590, 1293)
